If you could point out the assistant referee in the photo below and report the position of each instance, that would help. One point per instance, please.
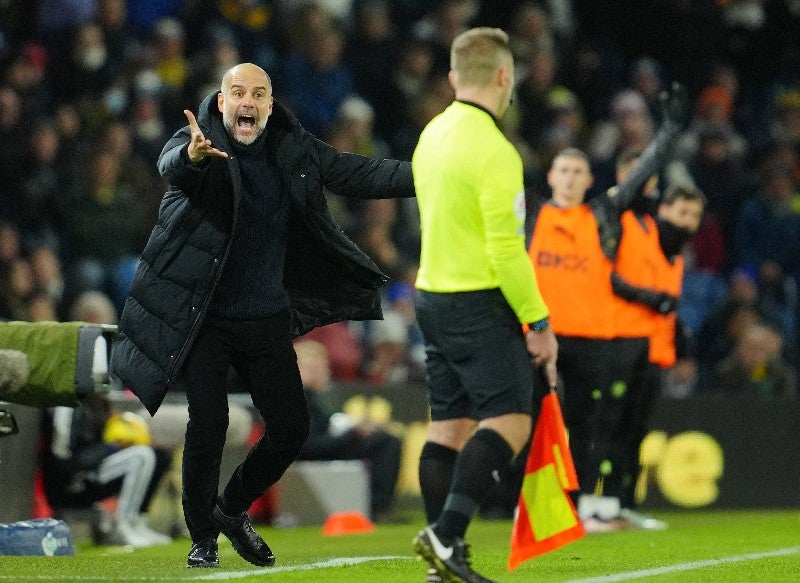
(477, 289)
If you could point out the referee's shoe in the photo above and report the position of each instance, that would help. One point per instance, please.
(450, 560)
(244, 539)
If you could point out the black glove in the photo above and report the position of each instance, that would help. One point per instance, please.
(661, 302)
(675, 104)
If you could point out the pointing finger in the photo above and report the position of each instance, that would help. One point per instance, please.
(192, 121)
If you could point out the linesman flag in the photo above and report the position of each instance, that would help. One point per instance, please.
(546, 518)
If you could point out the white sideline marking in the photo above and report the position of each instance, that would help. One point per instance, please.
(216, 575)
(688, 566)
(326, 564)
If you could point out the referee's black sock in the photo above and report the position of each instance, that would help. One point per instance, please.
(477, 468)
(436, 465)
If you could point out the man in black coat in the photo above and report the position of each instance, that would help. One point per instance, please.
(244, 256)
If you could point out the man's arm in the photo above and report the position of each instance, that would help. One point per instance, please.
(660, 302)
(349, 174)
(674, 107)
(185, 156)
(505, 244)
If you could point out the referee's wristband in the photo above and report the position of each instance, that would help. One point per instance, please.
(540, 325)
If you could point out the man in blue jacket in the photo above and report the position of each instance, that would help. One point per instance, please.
(244, 256)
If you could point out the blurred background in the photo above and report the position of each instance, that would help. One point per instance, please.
(90, 90)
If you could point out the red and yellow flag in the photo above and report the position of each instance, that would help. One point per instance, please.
(546, 518)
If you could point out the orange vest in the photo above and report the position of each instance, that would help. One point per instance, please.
(638, 264)
(573, 274)
(662, 341)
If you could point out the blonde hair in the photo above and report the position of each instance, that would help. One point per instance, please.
(478, 53)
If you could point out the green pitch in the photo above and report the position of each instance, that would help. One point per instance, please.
(706, 547)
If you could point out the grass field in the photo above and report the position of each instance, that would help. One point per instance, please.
(743, 546)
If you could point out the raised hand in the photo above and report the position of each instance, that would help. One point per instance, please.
(675, 104)
(199, 146)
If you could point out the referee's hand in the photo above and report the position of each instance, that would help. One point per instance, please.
(543, 348)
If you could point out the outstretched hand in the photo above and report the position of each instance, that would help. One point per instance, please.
(199, 146)
(675, 104)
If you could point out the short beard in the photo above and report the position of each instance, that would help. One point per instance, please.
(230, 127)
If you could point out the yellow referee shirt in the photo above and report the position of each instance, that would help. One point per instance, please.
(468, 179)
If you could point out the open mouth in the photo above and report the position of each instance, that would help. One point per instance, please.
(246, 122)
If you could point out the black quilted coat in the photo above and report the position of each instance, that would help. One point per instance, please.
(328, 278)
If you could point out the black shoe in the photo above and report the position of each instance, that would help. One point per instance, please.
(244, 539)
(204, 554)
(451, 561)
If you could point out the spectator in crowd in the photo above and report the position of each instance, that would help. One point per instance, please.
(441, 25)
(343, 348)
(371, 54)
(95, 307)
(13, 158)
(388, 345)
(26, 74)
(646, 77)
(9, 243)
(410, 76)
(43, 205)
(531, 32)
(629, 128)
(723, 328)
(39, 307)
(315, 81)
(48, 276)
(786, 126)
(106, 227)
(768, 234)
(755, 367)
(713, 112)
(726, 183)
(16, 284)
(94, 452)
(335, 436)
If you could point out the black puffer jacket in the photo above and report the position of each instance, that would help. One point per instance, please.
(328, 278)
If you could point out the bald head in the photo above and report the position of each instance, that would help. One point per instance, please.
(245, 101)
(245, 70)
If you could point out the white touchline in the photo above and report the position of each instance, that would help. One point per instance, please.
(687, 566)
(220, 575)
(326, 564)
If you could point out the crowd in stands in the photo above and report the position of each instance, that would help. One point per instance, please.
(90, 90)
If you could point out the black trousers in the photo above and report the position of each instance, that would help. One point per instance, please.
(584, 367)
(636, 424)
(621, 412)
(262, 354)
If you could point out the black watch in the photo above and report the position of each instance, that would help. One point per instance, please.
(540, 325)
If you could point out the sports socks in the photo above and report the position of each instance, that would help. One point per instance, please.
(436, 465)
(478, 464)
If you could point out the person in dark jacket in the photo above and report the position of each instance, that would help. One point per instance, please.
(244, 256)
(336, 436)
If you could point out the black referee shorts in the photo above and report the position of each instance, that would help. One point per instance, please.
(477, 365)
